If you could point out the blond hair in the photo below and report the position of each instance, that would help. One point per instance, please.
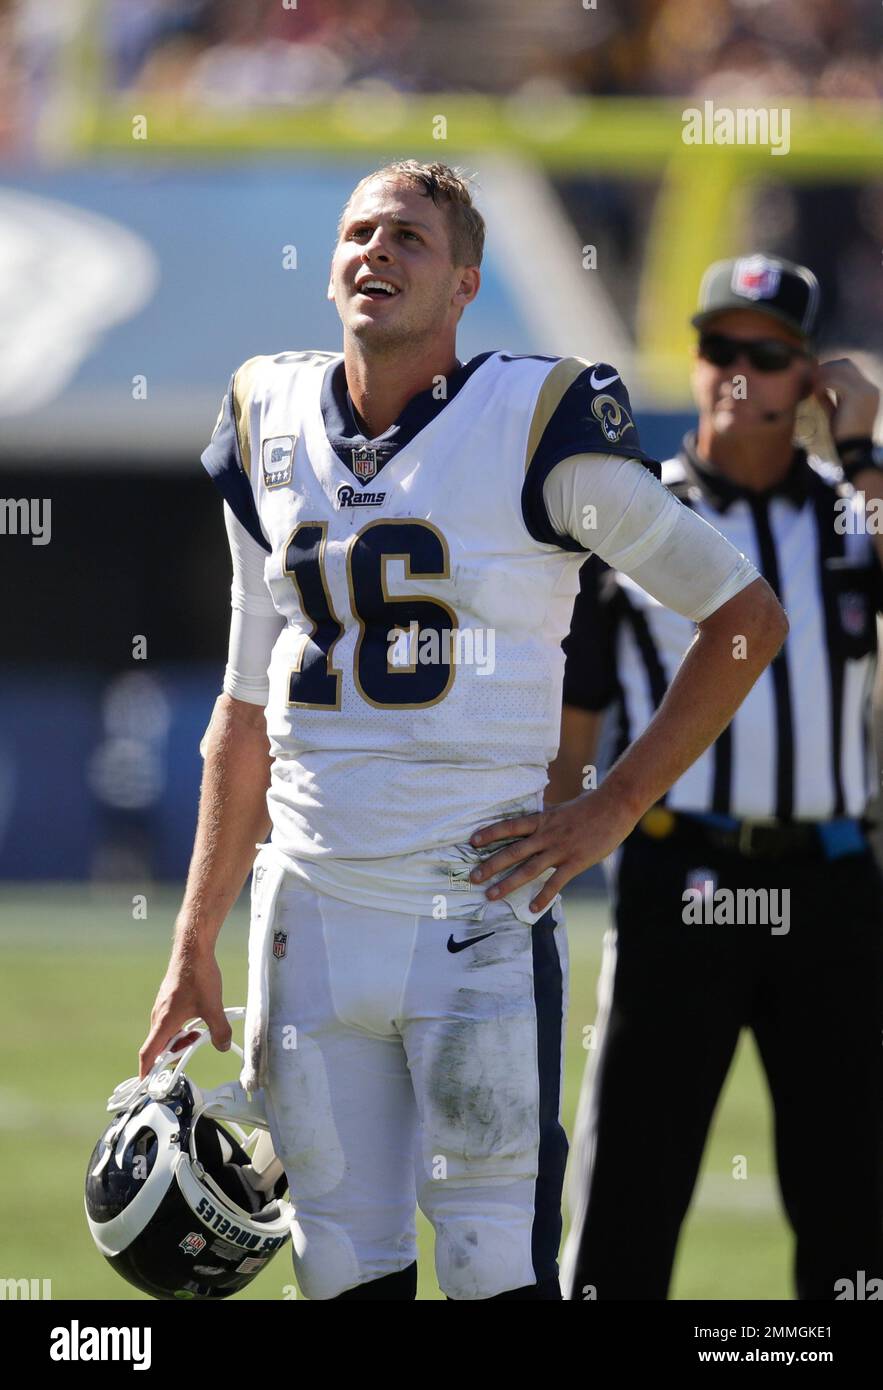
(450, 190)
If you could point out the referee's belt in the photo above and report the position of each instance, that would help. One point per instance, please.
(759, 839)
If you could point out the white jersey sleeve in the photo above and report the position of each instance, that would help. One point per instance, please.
(255, 622)
(615, 507)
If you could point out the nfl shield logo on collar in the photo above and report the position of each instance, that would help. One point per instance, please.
(755, 277)
(280, 944)
(364, 462)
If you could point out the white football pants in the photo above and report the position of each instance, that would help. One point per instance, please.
(409, 1060)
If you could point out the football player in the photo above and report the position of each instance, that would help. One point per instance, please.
(406, 532)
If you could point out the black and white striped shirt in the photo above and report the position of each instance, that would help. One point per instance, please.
(799, 747)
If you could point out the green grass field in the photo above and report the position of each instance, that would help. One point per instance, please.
(78, 980)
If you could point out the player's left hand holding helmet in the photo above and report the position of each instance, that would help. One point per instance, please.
(180, 1205)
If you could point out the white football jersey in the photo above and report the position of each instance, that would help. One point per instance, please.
(415, 690)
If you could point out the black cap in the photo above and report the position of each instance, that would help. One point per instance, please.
(768, 284)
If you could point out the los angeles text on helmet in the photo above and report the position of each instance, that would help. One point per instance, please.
(217, 1221)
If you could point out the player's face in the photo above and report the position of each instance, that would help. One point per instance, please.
(738, 396)
(395, 234)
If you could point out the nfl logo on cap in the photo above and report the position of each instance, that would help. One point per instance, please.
(364, 462)
(756, 278)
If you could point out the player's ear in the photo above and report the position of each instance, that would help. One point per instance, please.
(470, 283)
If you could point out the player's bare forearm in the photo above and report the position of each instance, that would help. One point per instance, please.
(576, 751)
(731, 650)
(233, 818)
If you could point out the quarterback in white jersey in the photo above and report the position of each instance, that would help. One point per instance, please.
(406, 533)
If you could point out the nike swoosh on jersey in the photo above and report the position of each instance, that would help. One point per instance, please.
(605, 381)
(470, 941)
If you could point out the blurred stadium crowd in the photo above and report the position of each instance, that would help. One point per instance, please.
(269, 52)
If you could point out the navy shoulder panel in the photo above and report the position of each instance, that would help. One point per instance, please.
(580, 410)
(222, 460)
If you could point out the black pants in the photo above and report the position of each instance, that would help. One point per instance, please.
(680, 995)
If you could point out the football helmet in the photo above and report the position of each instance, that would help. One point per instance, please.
(180, 1205)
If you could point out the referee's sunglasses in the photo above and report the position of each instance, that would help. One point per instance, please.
(764, 354)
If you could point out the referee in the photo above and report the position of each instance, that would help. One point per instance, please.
(749, 896)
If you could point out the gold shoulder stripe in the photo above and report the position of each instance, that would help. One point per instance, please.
(559, 380)
(243, 386)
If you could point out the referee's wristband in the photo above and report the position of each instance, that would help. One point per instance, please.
(856, 454)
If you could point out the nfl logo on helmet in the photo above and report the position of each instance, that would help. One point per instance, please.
(192, 1244)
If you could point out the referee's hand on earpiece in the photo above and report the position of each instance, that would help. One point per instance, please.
(848, 397)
